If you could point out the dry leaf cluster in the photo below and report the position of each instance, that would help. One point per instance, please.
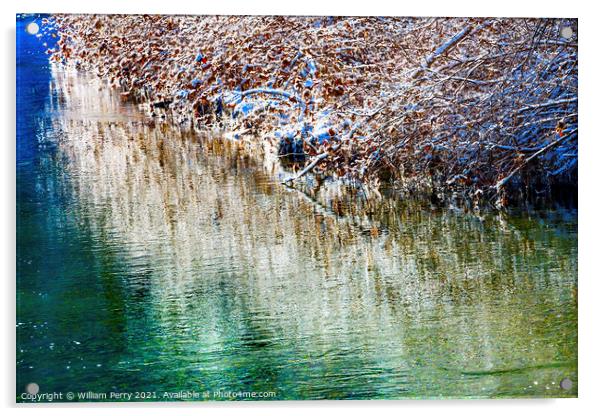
(485, 107)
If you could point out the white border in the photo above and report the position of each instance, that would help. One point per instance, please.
(590, 287)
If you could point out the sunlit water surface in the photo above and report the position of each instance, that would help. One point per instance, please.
(151, 259)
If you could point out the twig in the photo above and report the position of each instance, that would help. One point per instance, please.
(307, 169)
(505, 180)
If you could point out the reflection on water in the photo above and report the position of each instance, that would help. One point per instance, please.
(153, 259)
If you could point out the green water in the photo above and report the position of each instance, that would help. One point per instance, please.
(153, 260)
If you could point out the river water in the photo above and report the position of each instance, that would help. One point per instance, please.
(152, 259)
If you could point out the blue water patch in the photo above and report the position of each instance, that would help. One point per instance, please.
(33, 78)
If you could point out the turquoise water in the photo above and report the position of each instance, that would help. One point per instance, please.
(153, 260)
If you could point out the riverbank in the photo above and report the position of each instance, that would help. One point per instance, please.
(482, 108)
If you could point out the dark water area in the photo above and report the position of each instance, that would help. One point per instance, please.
(150, 259)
